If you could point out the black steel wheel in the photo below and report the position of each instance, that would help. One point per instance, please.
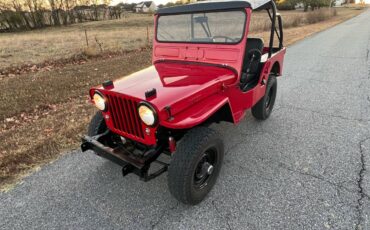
(263, 108)
(205, 168)
(195, 165)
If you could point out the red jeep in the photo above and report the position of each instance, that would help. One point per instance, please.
(206, 69)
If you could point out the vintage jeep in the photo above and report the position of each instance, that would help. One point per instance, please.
(205, 70)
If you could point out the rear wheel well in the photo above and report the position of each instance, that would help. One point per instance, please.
(275, 70)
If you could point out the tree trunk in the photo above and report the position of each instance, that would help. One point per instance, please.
(55, 17)
(26, 20)
(305, 7)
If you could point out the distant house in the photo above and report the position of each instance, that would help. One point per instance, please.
(145, 7)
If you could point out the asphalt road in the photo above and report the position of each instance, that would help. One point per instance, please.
(307, 167)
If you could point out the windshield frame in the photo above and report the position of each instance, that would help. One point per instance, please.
(201, 42)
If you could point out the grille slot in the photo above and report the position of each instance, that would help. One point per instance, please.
(124, 115)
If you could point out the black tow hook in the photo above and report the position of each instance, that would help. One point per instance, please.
(127, 169)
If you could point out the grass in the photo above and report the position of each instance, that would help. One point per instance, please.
(261, 22)
(44, 113)
(32, 47)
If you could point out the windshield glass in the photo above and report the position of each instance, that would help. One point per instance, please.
(208, 27)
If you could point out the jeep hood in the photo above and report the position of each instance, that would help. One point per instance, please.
(178, 85)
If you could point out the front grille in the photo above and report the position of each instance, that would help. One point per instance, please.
(124, 115)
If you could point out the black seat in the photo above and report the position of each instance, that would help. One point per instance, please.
(251, 63)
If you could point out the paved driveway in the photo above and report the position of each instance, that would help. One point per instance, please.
(307, 167)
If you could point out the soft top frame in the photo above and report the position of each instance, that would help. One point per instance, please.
(214, 6)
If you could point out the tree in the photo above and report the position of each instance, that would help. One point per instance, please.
(32, 14)
(314, 4)
(54, 12)
(286, 4)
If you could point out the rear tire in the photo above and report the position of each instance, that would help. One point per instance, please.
(263, 109)
(195, 165)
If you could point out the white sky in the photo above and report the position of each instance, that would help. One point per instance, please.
(115, 2)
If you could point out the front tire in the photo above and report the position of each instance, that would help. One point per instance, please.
(263, 109)
(97, 125)
(195, 165)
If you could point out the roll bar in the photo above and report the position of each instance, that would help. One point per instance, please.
(274, 30)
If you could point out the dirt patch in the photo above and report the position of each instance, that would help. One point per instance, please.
(38, 90)
(50, 111)
(88, 54)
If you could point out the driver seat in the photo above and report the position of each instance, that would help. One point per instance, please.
(251, 63)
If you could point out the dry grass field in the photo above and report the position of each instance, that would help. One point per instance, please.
(126, 34)
(32, 47)
(43, 113)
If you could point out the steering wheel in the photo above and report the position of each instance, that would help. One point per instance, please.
(225, 37)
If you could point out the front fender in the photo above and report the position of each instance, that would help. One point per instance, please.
(197, 113)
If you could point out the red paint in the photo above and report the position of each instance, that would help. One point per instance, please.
(172, 144)
(195, 80)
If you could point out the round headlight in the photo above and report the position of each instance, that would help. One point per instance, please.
(99, 101)
(147, 115)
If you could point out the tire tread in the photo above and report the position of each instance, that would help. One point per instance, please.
(181, 167)
(97, 124)
(259, 110)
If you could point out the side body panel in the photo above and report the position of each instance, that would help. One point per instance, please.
(230, 95)
(242, 101)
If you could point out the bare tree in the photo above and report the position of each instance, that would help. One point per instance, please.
(32, 14)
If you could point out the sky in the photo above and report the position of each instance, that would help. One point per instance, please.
(115, 2)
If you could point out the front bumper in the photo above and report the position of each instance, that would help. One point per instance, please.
(123, 157)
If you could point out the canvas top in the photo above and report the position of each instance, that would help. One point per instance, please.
(213, 5)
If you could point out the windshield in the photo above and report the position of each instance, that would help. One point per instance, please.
(208, 27)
